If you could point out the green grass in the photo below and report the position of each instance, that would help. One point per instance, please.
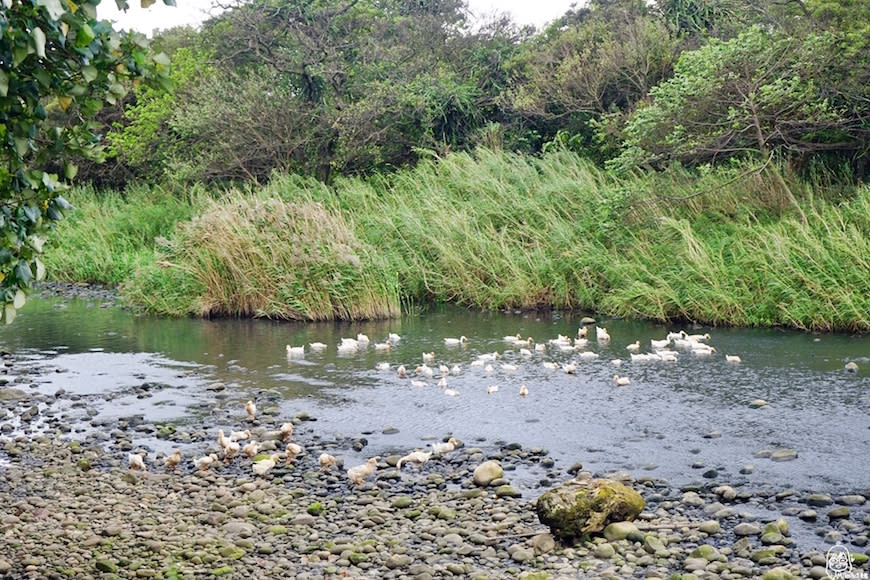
(110, 235)
(497, 230)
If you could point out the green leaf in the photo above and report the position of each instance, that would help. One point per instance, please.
(169, 2)
(9, 313)
(20, 299)
(146, 3)
(4, 83)
(53, 7)
(85, 36)
(89, 72)
(23, 273)
(43, 77)
(40, 269)
(22, 146)
(32, 212)
(62, 203)
(38, 37)
(69, 171)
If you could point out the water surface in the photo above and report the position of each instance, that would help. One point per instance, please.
(674, 421)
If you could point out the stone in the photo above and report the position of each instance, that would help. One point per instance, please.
(747, 529)
(581, 507)
(707, 552)
(242, 529)
(819, 500)
(777, 574)
(653, 544)
(604, 551)
(507, 491)
(839, 513)
(486, 472)
(398, 561)
(710, 527)
(851, 500)
(619, 530)
(106, 566)
(783, 455)
(757, 404)
(543, 544)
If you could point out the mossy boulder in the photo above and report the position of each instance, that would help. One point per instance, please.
(587, 506)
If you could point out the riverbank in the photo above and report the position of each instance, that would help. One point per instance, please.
(74, 511)
(72, 508)
(491, 231)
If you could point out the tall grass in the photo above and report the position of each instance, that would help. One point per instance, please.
(258, 255)
(499, 230)
(109, 235)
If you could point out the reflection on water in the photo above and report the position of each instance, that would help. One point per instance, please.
(674, 421)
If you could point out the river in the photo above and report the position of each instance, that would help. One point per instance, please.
(688, 421)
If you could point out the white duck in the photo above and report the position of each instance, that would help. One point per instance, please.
(439, 448)
(359, 473)
(420, 457)
(455, 341)
(295, 351)
(264, 465)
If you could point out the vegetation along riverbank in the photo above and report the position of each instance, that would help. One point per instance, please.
(488, 230)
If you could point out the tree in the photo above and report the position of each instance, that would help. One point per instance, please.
(759, 93)
(58, 66)
(328, 87)
(594, 61)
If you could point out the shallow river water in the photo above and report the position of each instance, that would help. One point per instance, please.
(674, 421)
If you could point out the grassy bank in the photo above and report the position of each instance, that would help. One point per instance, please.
(496, 230)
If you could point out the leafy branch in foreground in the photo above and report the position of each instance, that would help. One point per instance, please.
(58, 66)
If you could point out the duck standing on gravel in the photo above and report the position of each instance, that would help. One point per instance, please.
(251, 410)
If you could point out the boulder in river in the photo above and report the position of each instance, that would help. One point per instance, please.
(586, 506)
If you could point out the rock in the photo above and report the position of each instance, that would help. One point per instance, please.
(757, 404)
(106, 566)
(4, 566)
(710, 527)
(707, 552)
(543, 544)
(808, 515)
(486, 472)
(747, 529)
(839, 513)
(851, 367)
(508, 491)
(777, 574)
(619, 530)
(852, 500)
(819, 500)
(398, 561)
(783, 455)
(694, 564)
(586, 506)
(242, 529)
(604, 551)
(654, 545)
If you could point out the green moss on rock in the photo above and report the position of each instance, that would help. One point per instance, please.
(581, 507)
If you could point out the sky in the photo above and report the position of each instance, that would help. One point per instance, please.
(192, 12)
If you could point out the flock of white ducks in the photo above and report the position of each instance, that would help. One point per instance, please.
(230, 446)
(667, 349)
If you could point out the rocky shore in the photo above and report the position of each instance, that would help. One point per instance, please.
(73, 509)
(70, 507)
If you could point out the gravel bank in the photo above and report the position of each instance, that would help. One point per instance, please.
(76, 510)
(71, 508)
